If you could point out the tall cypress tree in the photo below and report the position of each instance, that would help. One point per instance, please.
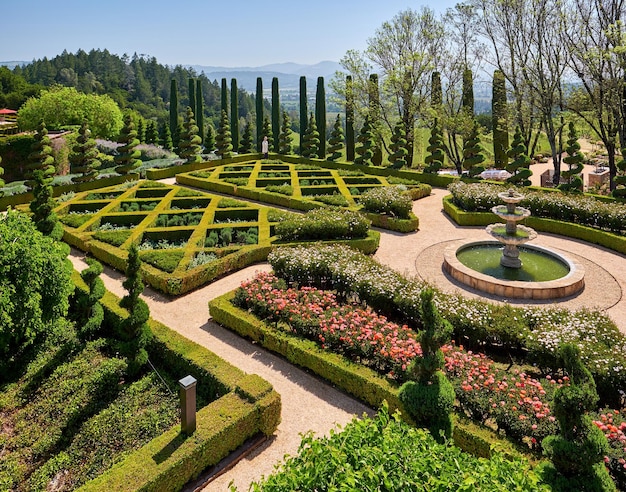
(40, 158)
(199, 113)
(336, 140)
(320, 116)
(234, 113)
(397, 158)
(468, 92)
(275, 114)
(436, 98)
(224, 140)
(192, 95)
(374, 112)
(284, 146)
(224, 96)
(127, 158)
(304, 111)
(189, 140)
(310, 141)
(259, 113)
(84, 161)
(472, 153)
(245, 147)
(174, 110)
(499, 115)
(349, 119)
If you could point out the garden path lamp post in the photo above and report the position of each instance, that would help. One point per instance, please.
(187, 405)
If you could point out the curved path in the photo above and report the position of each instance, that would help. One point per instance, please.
(310, 404)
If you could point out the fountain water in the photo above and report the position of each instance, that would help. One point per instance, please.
(513, 279)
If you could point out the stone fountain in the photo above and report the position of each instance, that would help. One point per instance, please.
(511, 235)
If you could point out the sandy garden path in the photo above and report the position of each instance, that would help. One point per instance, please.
(310, 404)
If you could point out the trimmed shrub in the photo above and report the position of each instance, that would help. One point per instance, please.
(389, 200)
(321, 224)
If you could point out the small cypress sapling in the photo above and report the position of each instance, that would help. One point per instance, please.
(189, 145)
(519, 166)
(84, 160)
(366, 145)
(127, 158)
(90, 313)
(573, 180)
(223, 140)
(284, 146)
(245, 146)
(336, 140)
(310, 141)
(472, 152)
(434, 160)
(397, 158)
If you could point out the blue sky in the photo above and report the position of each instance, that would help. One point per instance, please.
(203, 32)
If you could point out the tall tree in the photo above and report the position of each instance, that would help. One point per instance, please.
(173, 109)
(192, 94)
(189, 146)
(500, 116)
(310, 141)
(320, 116)
(336, 140)
(397, 158)
(40, 158)
(199, 112)
(84, 159)
(234, 113)
(284, 144)
(304, 111)
(141, 130)
(224, 140)
(127, 158)
(259, 113)
(374, 114)
(245, 146)
(224, 96)
(349, 119)
(468, 92)
(620, 178)
(275, 115)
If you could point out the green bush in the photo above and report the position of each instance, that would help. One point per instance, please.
(166, 261)
(389, 200)
(283, 189)
(321, 224)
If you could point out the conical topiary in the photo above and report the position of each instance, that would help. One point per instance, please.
(336, 140)
(519, 166)
(127, 158)
(572, 178)
(84, 161)
(434, 160)
(366, 143)
(473, 153)
(245, 146)
(223, 140)
(284, 138)
(40, 158)
(189, 146)
(267, 132)
(397, 158)
(311, 140)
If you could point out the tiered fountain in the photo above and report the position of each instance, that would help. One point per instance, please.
(508, 268)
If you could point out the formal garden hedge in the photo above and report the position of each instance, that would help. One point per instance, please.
(186, 238)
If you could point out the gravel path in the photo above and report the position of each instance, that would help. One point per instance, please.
(310, 404)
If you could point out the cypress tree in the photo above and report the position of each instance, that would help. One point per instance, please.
(311, 139)
(320, 116)
(152, 134)
(192, 95)
(436, 98)
(304, 111)
(397, 158)
(472, 152)
(40, 158)
(127, 158)
(224, 96)
(434, 160)
(267, 132)
(165, 137)
(374, 111)
(84, 161)
(141, 130)
(336, 140)
(224, 140)
(209, 138)
(468, 92)
(173, 109)
(574, 159)
(349, 119)
(519, 166)
(259, 113)
(284, 146)
(275, 115)
(366, 144)
(190, 147)
(199, 113)
(499, 115)
(245, 146)
(234, 113)
(90, 311)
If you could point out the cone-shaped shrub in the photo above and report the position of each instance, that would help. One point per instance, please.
(84, 161)
(267, 132)
(572, 178)
(209, 138)
(127, 158)
(365, 148)
(189, 145)
(40, 158)
(165, 137)
(223, 140)
(336, 140)
(434, 160)
(473, 152)
(520, 162)
(90, 312)
(42, 207)
(152, 134)
(311, 140)
(397, 158)
(246, 140)
(284, 146)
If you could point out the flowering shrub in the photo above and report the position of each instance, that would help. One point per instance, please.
(390, 200)
(578, 208)
(323, 223)
(613, 424)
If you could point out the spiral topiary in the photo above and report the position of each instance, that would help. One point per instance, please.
(434, 160)
(84, 161)
(365, 149)
(519, 167)
(620, 179)
(397, 158)
(472, 152)
(284, 139)
(189, 147)
(40, 158)
(90, 312)
(311, 140)
(127, 158)
(572, 178)
(224, 140)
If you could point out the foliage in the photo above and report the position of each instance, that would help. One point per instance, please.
(224, 140)
(520, 164)
(34, 283)
(434, 160)
(336, 140)
(199, 110)
(572, 178)
(40, 157)
(304, 111)
(472, 152)
(320, 117)
(310, 141)
(320, 224)
(163, 260)
(1, 180)
(209, 138)
(173, 116)
(43, 204)
(127, 158)
(259, 113)
(226, 236)
(234, 113)
(384, 453)
(152, 134)
(275, 141)
(202, 258)
(63, 106)
(284, 139)
(89, 313)
(366, 145)
(189, 146)
(349, 119)
(84, 160)
(390, 200)
(267, 132)
(499, 116)
(246, 139)
(397, 158)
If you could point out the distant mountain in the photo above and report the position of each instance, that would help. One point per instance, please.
(12, 64)
(288, 74)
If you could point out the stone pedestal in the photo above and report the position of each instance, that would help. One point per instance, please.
(598, 178)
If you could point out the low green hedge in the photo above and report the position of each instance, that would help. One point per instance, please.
(242, 406)
(357, 380)
(170, 172)
(393, 223)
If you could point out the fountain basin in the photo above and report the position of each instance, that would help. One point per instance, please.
(569, 284)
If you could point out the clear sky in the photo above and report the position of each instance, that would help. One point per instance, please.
(229, 33)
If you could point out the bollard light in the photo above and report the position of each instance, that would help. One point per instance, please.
(187, 405)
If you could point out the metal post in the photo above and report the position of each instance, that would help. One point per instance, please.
(187, 405)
